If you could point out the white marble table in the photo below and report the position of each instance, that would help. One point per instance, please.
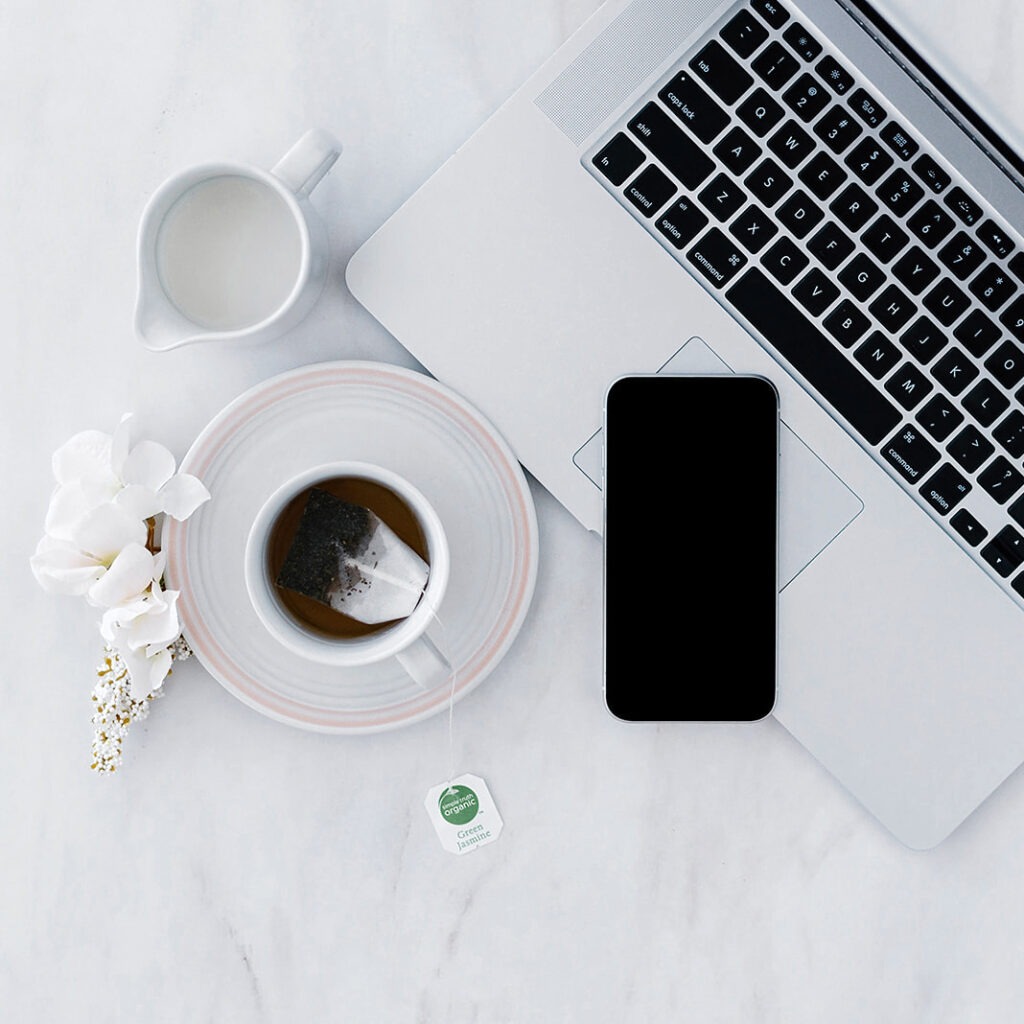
(240, 870)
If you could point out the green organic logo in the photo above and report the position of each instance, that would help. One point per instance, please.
(458, 805)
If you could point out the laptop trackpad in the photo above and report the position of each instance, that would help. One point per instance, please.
(815, 505)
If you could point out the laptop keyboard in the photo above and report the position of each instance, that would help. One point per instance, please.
(779, 178)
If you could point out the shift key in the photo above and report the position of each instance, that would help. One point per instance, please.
(672, 146)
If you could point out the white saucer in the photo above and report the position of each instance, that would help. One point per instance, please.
(371, 412)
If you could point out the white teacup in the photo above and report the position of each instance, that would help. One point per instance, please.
(408, 640)
(229, 252)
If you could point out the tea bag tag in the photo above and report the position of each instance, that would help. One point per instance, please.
(463, 814)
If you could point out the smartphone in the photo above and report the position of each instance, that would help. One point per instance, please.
(690, 547)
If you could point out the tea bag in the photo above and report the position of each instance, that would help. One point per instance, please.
(344, 556)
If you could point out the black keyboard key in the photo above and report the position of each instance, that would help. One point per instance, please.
(721, 197)
(909, 386)
(968, 527)
(892, 309)
(900, 193)
(945, 489)
(772, 12)
(760, 113)
(831, 246)
(1001, 479)
(822, 175)
(962, 255)
(940, 417)
(815, 292)
(1016, 266)
(977, 333)
(682, 222)
(737, 151)
(806, 98)
(720, 72)
(768, 182)
(834, 75)
(717, 257)
(954, 371)
(914, 270)
(931, 224)
(923, 340)
(744, 33)
(618, 159)
(970, 448)
(885, 238)
(931, 174)
(784, 260)
(1006, 364)
(1010, 434)
(1013, 318)
(985, 402)
(694, 107)
(910, 453)
(853, 207)
(846, 323)
(650, 190)
(946, 302)
(683, 158)
(1016, 511)
(775, 65)
(861, 277)
(993, 287)
(791, 144)
(802, 41)
(868, 161)
(753, 228)
(837, 129)
(996, 239)
(839, 383)
(867, 108)
(1005, 551)
(963, 206)
(898, 140)
(878, 355)
(799, 214)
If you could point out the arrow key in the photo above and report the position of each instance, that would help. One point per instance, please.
(1005, 551)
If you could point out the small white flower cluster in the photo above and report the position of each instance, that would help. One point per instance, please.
(114, 707)
(98, 543)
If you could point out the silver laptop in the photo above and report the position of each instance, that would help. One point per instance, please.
(779, 187)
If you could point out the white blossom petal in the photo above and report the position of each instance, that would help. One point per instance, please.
(147, 624)
(62, 569)
(140, 501)
(86, 456)
(131, 573)
(107, 530)
(149, 464)
(146, 674)
(182, 495)
(71, 502)
(120, 445)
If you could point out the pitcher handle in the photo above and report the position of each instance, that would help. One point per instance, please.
(302, 167)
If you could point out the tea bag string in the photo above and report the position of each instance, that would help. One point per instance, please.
(446, 651)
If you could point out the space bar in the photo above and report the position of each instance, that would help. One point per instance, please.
(794, 337)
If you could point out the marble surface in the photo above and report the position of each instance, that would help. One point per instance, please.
(239, 870)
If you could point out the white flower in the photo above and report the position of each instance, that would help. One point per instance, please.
(106, 490)
(141, 631)
(96, 542)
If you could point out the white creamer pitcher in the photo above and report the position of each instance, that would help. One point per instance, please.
(229, 252)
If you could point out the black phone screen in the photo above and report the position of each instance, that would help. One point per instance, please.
(690, 539)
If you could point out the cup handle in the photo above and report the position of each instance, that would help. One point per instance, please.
(302, 167)
(425, 663)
